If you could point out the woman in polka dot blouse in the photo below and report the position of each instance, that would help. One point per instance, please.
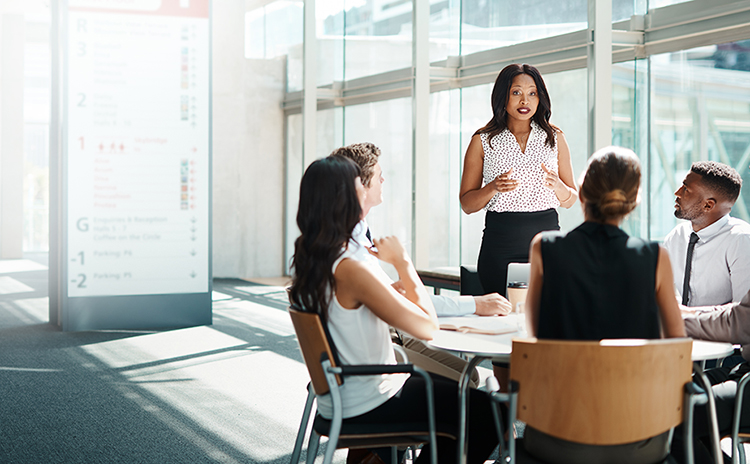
(518, 169)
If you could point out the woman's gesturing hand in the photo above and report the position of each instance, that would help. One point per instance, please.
(503, 182)
(389, 249)
(552, 181)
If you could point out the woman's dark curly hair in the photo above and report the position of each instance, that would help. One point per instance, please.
(500, 93)
(328, 211)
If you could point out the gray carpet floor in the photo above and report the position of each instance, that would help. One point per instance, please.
(232, 392)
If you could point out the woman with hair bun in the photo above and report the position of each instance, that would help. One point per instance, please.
(595, 281)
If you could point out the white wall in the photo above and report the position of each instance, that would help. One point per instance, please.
(12, 39)
(248, 153)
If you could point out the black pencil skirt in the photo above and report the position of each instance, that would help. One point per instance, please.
(506, 239)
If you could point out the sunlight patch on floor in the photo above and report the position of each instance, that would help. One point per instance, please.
(9, 285)
(20, 265)
(275, 321)
(200, 379)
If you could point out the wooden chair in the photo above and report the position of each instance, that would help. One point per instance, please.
(326, 375)
(591, 397)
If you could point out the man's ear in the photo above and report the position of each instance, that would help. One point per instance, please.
(709, 204)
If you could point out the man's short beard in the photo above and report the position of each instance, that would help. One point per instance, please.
(689, 214)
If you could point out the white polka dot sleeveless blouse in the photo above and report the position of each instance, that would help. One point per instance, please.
(505, 153)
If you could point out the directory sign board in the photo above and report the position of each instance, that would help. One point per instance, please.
(135, 162)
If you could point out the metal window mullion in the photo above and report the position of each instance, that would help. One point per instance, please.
(600, 75)
(420, 133)
(310, 85)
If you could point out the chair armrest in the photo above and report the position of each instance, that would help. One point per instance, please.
(373, 369)
(402, 352)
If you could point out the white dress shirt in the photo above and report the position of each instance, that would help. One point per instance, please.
(721, 261)
(444, 305)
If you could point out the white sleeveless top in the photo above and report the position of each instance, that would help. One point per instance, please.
(505, 153)
(360, 337)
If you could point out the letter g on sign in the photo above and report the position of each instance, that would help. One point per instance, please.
(83, 224)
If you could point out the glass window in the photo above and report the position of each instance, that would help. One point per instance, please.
(568, 92)
(660, 3)
(488, 24)
(387, 124)
(700, 109)
(445, 28)
(377, 37)
(331, 15)
(629, 129)
(476, 111)
(624, 9)
(274, 30)
(445, 178)
(330, 131)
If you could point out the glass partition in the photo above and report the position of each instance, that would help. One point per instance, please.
(630, 130)
(387, 124)
(330, 131)
(568, 93)
(377, 37)
(700, 110)
(445, 178)
(331, 16)
(274, 30)
(491, 24)
(475, 113)
(445, 29)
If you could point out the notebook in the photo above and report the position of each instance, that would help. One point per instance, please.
(494, 325)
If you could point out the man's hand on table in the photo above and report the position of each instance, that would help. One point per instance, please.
(492, 304)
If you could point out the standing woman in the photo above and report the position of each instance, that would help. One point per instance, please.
(518, 168)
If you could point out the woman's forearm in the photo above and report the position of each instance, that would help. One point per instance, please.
(567, 196)
(414, 289)
(474, 200)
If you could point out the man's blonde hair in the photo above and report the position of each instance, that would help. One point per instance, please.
(365, 154)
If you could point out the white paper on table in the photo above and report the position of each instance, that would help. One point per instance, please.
(493, 325)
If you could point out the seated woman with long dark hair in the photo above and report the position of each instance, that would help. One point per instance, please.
(358, 307)
(596, 282)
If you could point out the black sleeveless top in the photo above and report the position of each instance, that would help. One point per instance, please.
(598, 283)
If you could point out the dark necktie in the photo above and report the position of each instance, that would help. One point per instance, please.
(367, 234)
(688, 266)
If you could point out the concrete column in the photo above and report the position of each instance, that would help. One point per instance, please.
(600, 74)
(248, 152)
(12, 41)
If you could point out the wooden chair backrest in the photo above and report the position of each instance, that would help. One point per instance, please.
(313, 343)
(601, 393)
